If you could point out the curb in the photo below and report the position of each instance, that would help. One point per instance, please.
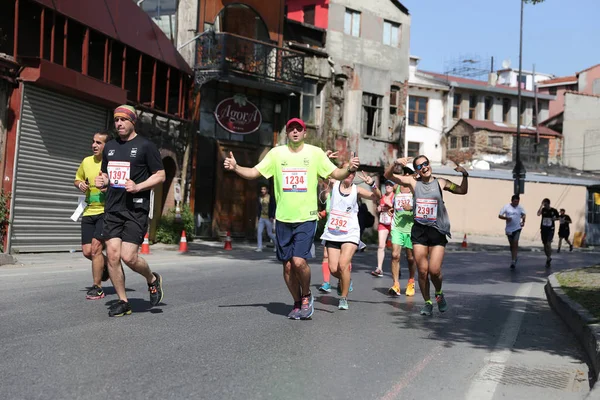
(585, 326)
(7, 259)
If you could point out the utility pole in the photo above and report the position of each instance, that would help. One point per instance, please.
(519, 169)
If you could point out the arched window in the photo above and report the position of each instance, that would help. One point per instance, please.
(242, 20)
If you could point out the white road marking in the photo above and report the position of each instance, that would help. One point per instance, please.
(484, 389)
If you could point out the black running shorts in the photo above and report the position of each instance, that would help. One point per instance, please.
(427, 236)
(129, 226)
(91, 228)
(547, 235)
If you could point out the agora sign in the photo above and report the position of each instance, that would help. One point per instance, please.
(238, 115)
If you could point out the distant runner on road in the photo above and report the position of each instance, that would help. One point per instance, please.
(514, 215)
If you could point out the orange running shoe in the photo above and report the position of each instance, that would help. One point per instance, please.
(410, 288)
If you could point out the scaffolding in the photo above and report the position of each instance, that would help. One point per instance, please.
(469, 66)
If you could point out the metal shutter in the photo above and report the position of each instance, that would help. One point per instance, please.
(55, 134)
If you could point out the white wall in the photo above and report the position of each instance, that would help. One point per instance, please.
(581, 132)
(429, 136)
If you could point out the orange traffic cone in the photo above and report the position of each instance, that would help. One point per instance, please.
(464, 243)
(228, 241)
(183, 243)
(145, 245)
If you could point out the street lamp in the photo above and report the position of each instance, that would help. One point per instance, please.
(519, 169)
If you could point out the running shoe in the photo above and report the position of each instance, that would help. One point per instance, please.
(558, 251)
(307, 309)
(95, 293)
(410, 288)
(156, 290)
(105, 275)
(427, 309)
(512, 266)
(343, 305)
(394, 290)
(570, 247)
(350, 288)
(295, 313)
(548, 261)
(441, 302)
(119, 309)
(377, 273)
(325, 287)
(258, 250)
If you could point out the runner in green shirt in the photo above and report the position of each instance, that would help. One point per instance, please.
(295, 169)
(401, 228)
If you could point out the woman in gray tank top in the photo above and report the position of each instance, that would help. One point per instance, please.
(432, 224)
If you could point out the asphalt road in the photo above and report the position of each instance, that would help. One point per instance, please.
(221, 333)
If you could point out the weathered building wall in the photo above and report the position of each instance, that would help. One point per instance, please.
(187, 29)
(370, 67)
(581, 131)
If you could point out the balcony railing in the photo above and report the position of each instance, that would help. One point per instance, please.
(226, 53)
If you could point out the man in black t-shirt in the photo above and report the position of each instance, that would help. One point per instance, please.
(549, 216)
(563, 229)
(131, 166)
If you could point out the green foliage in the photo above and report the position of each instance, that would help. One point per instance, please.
(4, 216)
(169, 229)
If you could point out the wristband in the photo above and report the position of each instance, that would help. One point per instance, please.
(374, 185)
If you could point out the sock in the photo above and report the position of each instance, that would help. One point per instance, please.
(428, 302)
(438, 293)
(325, 269)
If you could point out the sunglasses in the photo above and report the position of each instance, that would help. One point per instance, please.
(423, 164)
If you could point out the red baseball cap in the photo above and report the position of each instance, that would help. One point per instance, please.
(296, 120)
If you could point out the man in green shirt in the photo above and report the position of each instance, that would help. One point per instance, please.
(295, 169)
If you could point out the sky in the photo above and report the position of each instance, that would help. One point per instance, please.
(561, 37)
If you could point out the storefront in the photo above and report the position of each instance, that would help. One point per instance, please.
(246, 122)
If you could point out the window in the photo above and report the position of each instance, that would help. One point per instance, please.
(456, 106)
(309, 14)
(532, 153)
(352, 23)
(464, 141)
(489, 103)
(506, 103)
(495, 141)
(453, 142)
(413, 149)
(552, 90)
(371, 115)
(472, 106)
(417, 110)
(394, 101)
(310, 102)
(391, 33)
(522, 113)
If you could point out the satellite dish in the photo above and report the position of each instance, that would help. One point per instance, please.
(505, 64)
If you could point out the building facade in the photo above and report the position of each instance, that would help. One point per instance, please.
(64, 68)
(367, 50)
(574, 114)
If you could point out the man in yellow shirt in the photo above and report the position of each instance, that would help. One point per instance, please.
(295, 169)
(93, 215)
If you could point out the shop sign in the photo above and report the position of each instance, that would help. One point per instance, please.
(238, 115)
